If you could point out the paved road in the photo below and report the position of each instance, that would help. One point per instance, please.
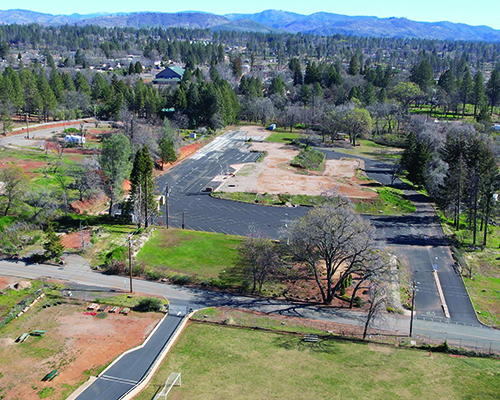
(39, 135)
(419, 240)
(130, 369)
(77, 272)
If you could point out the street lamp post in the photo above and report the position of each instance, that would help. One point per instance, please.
(166, 204)
(413, 290)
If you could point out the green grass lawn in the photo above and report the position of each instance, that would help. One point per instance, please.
(283, 136)
(309, 159)
(200, 253)
(270, 199)
(389, 202)
(373, 151)
(220, 362)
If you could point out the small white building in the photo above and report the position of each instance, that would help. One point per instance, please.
(76, 139)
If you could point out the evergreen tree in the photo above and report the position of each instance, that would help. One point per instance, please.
(353, 66)
(56, 84)
(81, 84)
(142, 185)
(466, 87)
(478, 95)
(53, 246)
(493, 89)
(423, 75)
(48, 99)
(166, 144)
(138, 67)
(277, 86)
(369, 96)
(414, 160)
(6, 121)
(296, 70)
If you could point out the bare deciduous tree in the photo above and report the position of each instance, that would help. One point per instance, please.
(12, 186)
(259, 260)
(333, 241)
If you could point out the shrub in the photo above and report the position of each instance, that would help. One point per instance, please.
(179, 279)
(149, 304)
(116, 267)
(358, 301)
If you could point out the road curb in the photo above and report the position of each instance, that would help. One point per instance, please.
(441, 295)
(82, 388)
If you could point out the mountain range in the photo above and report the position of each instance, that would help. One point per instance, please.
(320, 23)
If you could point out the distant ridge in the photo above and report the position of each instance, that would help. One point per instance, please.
(320, 23)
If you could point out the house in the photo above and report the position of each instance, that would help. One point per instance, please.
(169, 75)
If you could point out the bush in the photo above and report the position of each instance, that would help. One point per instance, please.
(358, 302)
(149, 304)
(116, 267)
(179, 279)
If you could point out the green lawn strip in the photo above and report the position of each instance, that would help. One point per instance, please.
(220, 362)
(485, 295)
(270, 199)
(372, 150)
(283, 136)
(201, 253)
(309, 158)
(389, 202)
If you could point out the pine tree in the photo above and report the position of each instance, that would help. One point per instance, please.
(478, 95)
(166, 144)
(53, 246)
(414, 160)
(142, 185)
(493, 89)
(353, 66)
(466, 87)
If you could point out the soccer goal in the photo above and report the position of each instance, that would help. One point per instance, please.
(174, 379)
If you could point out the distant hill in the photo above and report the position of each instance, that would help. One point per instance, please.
(143, 19)
(245, 25)
(30, 17)
(320, 23)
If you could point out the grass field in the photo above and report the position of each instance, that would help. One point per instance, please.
(283, 136)
(389, 202)
(373, 151)
(200, 253)
(220, 362)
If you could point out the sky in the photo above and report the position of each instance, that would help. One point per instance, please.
(480, 12)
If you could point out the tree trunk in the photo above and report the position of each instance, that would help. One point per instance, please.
(486, 221)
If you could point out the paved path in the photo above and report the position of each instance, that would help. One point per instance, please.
(129, 370)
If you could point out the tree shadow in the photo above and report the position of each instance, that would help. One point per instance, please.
(323, 345)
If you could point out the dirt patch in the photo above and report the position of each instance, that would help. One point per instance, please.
(77, 240)
(274, 175)
(28, 166)
(74, 343)
(5, 281)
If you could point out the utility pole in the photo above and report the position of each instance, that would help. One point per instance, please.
(413, 290)
(166, 204)
(130, 261)
(27, 125)
(183, 220)
(146, 223)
